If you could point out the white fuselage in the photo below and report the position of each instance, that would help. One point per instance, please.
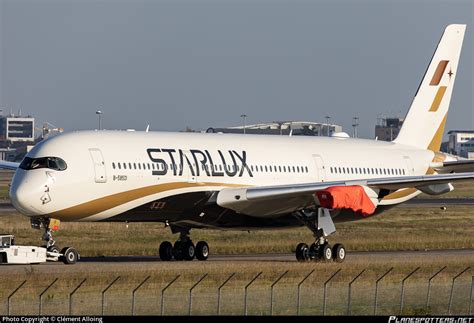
(113, 172)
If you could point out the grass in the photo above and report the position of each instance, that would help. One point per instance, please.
(148, 298)
(397, 229)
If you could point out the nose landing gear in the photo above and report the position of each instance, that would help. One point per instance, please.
(322, 226)
(67, 255)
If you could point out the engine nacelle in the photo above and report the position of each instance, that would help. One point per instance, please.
(436, 189)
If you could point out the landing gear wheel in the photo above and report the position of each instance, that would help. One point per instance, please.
(326, 253)
(166, 251)
(314, 252)
(339, 252)
(177, 251)
(188, 250)
(53, 249)
(302, 252)
(70, 256)
(202, 250)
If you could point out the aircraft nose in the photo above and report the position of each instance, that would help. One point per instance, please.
(24, 196)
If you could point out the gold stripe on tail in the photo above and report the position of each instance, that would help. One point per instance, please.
(435, 143)
(437, 99)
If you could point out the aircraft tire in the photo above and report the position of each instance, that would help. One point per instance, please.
(202, 250)
(188, 250)
(166, 251)
(314, 252)
(53, 249)
(177, 251)
(325, 252)
(339, 252)
(302, 252)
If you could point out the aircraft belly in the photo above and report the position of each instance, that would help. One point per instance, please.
(197, 210)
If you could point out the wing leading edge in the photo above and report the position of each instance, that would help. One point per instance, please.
(9, 165)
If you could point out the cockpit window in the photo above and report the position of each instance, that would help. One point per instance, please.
(54, 163)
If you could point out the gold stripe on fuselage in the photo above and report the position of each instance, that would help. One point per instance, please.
(96, 206)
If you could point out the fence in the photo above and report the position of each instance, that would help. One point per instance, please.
(313, 293)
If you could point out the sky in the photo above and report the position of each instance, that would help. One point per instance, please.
(177, 64)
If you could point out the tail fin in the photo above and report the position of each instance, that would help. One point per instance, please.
(424, 124)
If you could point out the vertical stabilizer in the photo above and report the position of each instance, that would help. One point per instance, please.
(424, 124)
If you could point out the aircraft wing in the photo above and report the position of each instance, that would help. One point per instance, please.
(458, 166)
(268, 201)
(8, 165)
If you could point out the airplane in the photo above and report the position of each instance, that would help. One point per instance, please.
(244, 182)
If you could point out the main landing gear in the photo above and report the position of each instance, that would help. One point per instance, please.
(69, 255)
(322, 226)
(184, 249)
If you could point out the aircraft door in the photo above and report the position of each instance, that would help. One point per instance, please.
(409, 165)
(320, 168)
(188, 174)
(99, 165)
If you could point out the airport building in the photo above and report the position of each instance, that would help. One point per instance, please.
(17, 129)
(7, 153)
(283, 128)
(461, 143)
(387, 129)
